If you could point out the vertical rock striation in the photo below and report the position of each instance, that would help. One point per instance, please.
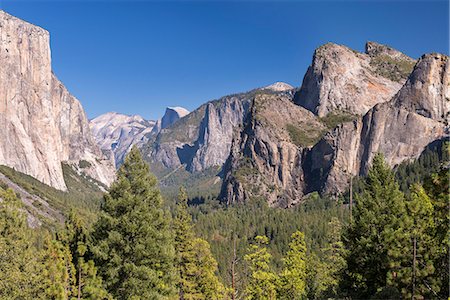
(43, 124)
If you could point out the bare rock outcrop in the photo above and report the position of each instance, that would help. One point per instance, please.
(201, 139)
(341, 79)
(400, 128)
(267, 155)
(43, 124)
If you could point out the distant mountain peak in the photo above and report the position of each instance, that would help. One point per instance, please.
(278, 87)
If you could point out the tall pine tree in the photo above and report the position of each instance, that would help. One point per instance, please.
(293, 276)
(132, 241)
(263, 282)
(195, 264)
(20, 268)
(376, 238)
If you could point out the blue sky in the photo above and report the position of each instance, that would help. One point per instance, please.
(137, 57)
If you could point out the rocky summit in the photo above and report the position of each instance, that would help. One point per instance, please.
(118, 133)
(42, 124)
(343, 80)
(357, 110)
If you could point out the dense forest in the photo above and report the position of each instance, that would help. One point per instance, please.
(391, 243)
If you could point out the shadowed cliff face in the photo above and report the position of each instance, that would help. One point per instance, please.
(267, 155)
(341, 79)
(201, 139)
(43, 124)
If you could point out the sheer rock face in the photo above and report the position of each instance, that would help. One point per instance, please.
(341, 79)
(267, 162)
(43, 124)
(427, 91)
(201, 139)
(266, 157)
(118, 133)
(399, 128)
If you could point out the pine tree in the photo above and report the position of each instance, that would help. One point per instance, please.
(293, 276)
(416, 276)
(132, 242)
(88, 283)
(437, 188)
(184, 248)
(263, 281)
(333, 260)
(20, 268)
(205, 280)
(376, 238)
(59, 271)
(195, 264)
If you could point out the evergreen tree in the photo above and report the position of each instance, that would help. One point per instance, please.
(293, 276)
(184, 248)
(437, 188)
(263, 282)
(195, 264)
(132, 241)
(333, 261)
(59, 271)
(376, 238)
(20, 268)
(88, 283)
(416, 276)
(206, 282)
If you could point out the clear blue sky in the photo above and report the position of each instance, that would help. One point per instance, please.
(139, 57)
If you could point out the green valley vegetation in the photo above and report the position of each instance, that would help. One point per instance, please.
(394, 246)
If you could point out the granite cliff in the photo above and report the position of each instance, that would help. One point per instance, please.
(285, 152)
(341, 79)
(43, 124)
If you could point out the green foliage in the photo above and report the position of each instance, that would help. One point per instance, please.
(429, 162)
(221, 226)
(59, 271)
(335, 118)
(132, 241)
(83, 195)
(83, 164)
(75, 237)
(263, 282)
(437, 188)
(195, 264)
(417, 268)
(304, 137)
(293, 276)
(395, 69)
(19, 265)
(376, 235)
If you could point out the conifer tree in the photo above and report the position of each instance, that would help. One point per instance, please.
(263, 282)
(416, 275)
(376, 237)
(437, 188)
(89, 284)
(132, 241)
(59, 271)
(293, 276)
(333, 260)
(195, 264)
(20, 268)
(206, 282)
